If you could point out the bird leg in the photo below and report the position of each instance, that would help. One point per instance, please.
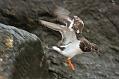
(71, 66)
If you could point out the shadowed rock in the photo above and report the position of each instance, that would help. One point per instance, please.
(21, 55)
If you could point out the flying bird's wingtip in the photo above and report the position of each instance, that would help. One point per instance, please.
(51, 25)
(41, 21)
(46, 23)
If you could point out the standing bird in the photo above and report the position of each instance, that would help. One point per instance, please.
(69, 45)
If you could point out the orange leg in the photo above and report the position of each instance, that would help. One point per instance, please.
(71, 66)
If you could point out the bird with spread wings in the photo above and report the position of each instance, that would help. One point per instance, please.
(70, 44)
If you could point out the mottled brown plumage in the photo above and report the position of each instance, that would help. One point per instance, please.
(78, 25)
(87, 46)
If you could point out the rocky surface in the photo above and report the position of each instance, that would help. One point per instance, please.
(25, 14)
(21, 55)
(101, 26)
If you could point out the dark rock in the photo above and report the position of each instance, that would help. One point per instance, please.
(21, 55)
(26, 13)
(101, 20)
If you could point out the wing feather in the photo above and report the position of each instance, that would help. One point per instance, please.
(53, 26)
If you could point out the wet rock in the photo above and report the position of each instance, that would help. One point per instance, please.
(21, 55)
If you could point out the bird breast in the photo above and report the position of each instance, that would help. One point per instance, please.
(72, 49)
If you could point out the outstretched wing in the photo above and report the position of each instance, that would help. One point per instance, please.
(61, 13)
(55, 8)
(67, 35)
(53, 26)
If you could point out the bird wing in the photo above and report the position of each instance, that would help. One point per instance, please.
(55, 8)
(53, 26)
(67, 35)
(61, 12)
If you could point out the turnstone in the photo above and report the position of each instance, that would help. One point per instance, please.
(70, 44)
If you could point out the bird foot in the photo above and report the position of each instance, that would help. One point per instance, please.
(70, 64)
